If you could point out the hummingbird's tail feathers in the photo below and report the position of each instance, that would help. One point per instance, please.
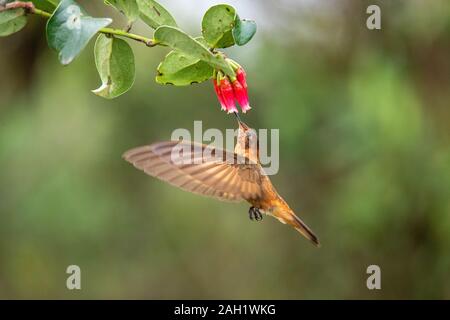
(301, 227)
(289, 217)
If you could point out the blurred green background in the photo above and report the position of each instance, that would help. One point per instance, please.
(364, 159)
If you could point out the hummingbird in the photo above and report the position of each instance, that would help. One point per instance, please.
(228, 176)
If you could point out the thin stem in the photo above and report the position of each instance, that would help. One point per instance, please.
(41, 13)
(30, 8)
(149, 42)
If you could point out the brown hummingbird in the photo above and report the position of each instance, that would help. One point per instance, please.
(221, 174)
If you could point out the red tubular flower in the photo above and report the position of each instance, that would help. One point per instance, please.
(219, 95)
(242, 77)
(241, 96)
(228, 95)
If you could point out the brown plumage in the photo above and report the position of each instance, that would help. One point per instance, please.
(209, 171)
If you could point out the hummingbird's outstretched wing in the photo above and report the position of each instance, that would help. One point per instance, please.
(200, 169)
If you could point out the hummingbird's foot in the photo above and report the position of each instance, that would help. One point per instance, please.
(255, 214)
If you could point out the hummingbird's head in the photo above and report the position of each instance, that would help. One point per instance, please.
(246, 131)
(243, 127)
(247, 141)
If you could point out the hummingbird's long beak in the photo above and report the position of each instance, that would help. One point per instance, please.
(242, 125)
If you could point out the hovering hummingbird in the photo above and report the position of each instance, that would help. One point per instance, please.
(225, 175)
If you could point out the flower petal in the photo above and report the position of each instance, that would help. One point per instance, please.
(219, 95)
(228, 95)
(241, 96)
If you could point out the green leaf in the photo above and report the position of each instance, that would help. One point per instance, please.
(70, 29)
(217, 25)
(180, 41)
(115, 64)
(12, 21)
(243, 31)
(180, 69)
(46, 5)
(129, 8)
(154, 14)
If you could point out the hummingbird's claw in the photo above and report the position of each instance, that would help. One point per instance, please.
(255, 214)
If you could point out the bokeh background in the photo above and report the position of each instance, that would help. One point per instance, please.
(364, 123)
